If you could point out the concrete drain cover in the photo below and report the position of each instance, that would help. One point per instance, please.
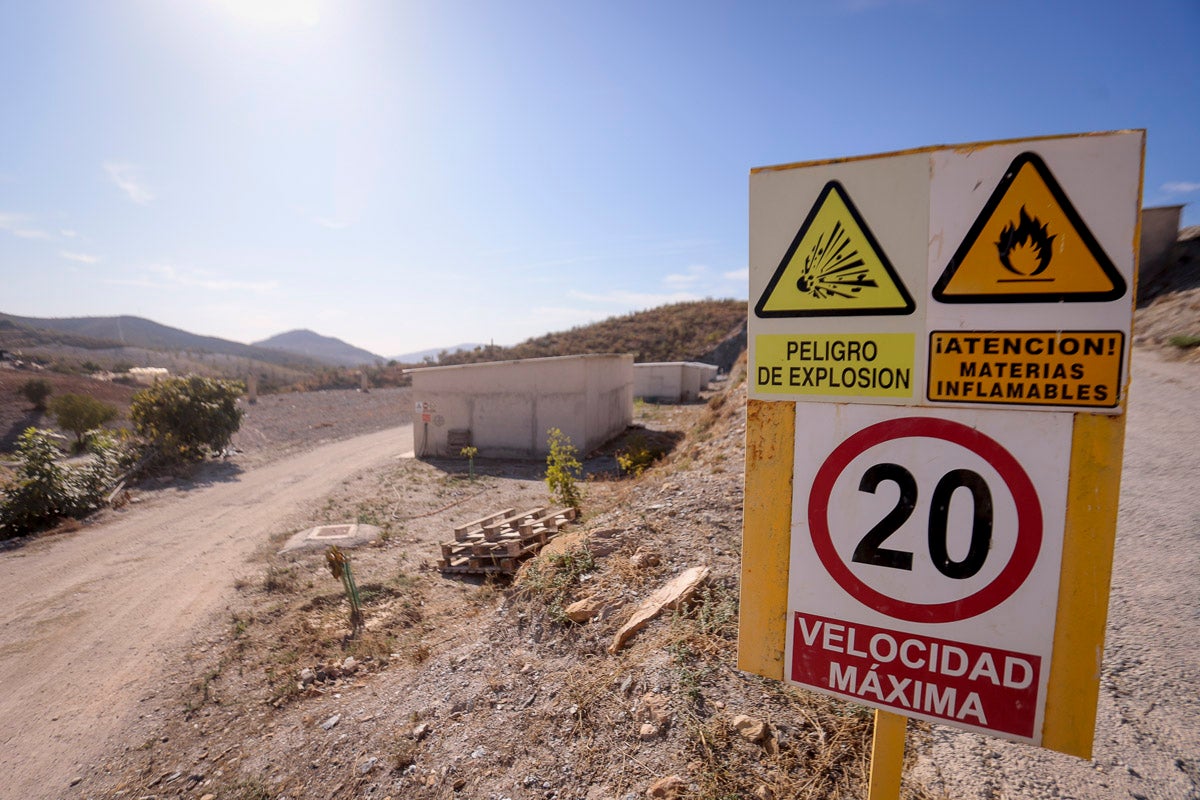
(322, 536)
(332, 532)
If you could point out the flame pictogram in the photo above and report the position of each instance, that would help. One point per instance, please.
(1026, 248)
(833, 268)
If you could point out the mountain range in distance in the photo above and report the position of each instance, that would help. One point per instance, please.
(292, 347)
(335, 351)
(326, 349)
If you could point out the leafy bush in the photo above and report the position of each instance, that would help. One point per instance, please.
(563, 469)
(186, 419)
(638, 456)
(45, 491)
(36, 390)
(79, 414)
(1185, 341)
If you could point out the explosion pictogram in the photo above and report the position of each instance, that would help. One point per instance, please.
(833, 268)
(1026, 248)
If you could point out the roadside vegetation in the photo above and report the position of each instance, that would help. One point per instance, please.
(176, 421)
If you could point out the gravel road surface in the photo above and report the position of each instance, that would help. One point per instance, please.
(90, 619)
(1147, 742)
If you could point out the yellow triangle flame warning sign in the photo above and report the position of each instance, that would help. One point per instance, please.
(1029, 245)
(834, 267)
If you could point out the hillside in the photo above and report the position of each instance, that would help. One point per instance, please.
(677, 332)
(327, 349)
(109, 333)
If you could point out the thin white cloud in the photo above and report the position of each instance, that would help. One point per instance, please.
(67, 233)
(82, 258)
(331, 224)
(21, 225)
(680, 280)
(167, 276)
(742, 274)
(1181, 187)
(128, 179)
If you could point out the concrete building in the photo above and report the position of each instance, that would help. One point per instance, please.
(671, 381)
(1160, 230)
(505, 408)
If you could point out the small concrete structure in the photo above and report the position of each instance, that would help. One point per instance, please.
(671, 381)
(320, 537)
(505, 408)
(1160, 230)
(148, 375)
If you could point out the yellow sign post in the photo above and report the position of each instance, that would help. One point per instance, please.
(955, 468)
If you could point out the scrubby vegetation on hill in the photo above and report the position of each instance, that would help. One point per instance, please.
(677, 332)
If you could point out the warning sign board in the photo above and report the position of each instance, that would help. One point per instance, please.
(922, 557)
(834, 267)
(1029, 245)
(1037, 368)
(924, 484)
(860, 364)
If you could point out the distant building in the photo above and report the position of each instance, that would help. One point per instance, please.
(505, 408)
(148, 375)
(1160, 230)
(671, 381)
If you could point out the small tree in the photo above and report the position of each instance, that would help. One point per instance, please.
(44, 490)
(36, 390)
(469, 454)
(563, 469)
(79, 414)
(188, 418)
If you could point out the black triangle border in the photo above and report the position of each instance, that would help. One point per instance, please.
(835, 186)
(1119, 286)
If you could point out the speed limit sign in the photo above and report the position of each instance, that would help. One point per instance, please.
(922, 580)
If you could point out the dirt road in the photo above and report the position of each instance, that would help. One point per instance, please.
(1147, 741)
(90, 619)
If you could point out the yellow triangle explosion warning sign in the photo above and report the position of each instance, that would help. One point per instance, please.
(834, 267)
(1029, 245)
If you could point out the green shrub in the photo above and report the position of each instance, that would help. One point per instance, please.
(469, 453)
(186, 419)
(1184, 340)
(45, 491)
(563, 469)
(36, 390)
(79, 414)
(638, 456)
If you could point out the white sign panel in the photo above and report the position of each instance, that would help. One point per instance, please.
(925, 557)
(997, 274)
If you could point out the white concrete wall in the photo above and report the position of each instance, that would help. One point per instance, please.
(509, 405)
(1160, 229)
(671, 381)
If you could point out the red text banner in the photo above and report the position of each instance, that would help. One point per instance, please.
(916, 675)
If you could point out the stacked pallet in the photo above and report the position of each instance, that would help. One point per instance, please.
(499, 542)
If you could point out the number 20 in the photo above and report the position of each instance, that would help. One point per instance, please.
(870, 549)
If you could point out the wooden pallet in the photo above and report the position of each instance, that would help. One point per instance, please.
(499, 542)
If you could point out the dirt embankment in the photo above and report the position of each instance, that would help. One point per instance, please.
(468, 688)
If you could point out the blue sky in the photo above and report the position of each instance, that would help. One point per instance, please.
(405, 175)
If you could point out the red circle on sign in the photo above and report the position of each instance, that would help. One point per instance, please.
(1029, 518)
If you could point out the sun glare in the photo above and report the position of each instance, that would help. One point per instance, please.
(275, 12)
